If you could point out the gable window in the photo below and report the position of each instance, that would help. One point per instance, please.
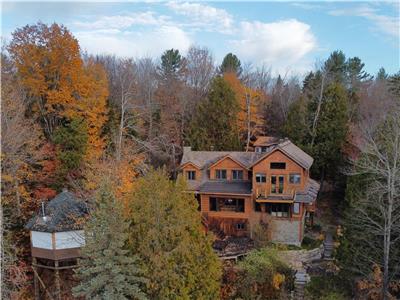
(278, 165)
(191, 175)
(237, 174)
(220, 174)
(261, 177)
(294, 178)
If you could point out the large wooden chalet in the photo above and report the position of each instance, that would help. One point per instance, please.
(270, 186)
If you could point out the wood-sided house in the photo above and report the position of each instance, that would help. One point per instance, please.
(237, 190)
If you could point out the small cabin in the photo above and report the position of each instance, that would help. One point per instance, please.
(56, 232)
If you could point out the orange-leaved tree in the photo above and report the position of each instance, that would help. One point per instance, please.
(249, 99)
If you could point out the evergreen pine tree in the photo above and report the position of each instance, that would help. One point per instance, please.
(331, 132)
(231, 63)
(175, 254)
(215, 125)
(108, 270)
(295, 127)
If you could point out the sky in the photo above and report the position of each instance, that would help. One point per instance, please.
(288, 37)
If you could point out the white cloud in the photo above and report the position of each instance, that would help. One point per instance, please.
(135, 44)
(283, 44)
(122, 21)
(202, 15)
(388, 25)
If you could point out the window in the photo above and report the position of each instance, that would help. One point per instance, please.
(294, 178)
(281, 180)
(213, 204)
(220, 174)
(226, 204)
(191, 175)
(277, 186)
(240, 226)
(278, 165)
(257, 206)
(280, 210)
(237, 174)
(261, 177)
(258, 149)
(296, 208)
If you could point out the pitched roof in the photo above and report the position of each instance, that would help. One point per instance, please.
(296, 153)
(228, 187)
(204, 159)
(266, 141)
(310, 192)
(63, 213)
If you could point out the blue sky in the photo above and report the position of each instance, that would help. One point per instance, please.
(285, 36)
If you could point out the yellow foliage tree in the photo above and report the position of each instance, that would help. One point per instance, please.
(59, 85)
(249, 116)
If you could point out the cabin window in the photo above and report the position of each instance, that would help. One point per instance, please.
(296, 208)
(220, 174)
(226, 204)
(257, 206)
(258, 149)
(280, 210)
(237, 174)
(240, 226)
(294, 178)
(277, 184)
(261, 177)
(278, 165)
(191, 175)
(213, 204)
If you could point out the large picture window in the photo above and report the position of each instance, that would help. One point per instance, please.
(226, 204)
(280, 210)
(277, 184)
(220, 174)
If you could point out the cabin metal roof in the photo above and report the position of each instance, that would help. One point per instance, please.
(64, 212)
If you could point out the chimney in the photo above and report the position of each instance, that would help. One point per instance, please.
(64, 190)
(43, 213)
(187, 149)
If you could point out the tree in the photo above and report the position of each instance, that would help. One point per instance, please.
(296, 126)
(171, 63)
(200, 71)
(59, 86)
(249, 116)
(107, 270)
(331, 133)
(49, 65)
(382, 75)
(263, 275)
(215, 124)
(174, 252)
(372, 235)
(71, 140)
(231, 63)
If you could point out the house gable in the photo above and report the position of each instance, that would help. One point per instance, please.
(228, 163)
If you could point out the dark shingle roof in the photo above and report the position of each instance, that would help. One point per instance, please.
(229, 187)
(64, 212)
(310, 192)
(204, 159)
